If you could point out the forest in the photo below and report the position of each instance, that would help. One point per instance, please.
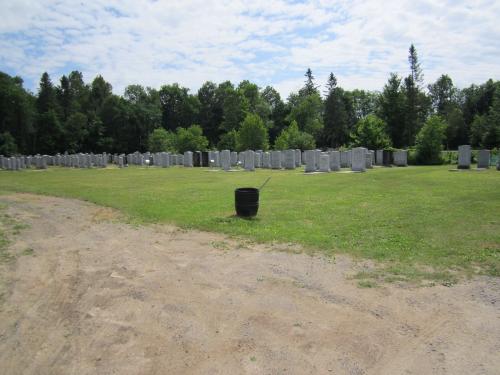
(73, 116)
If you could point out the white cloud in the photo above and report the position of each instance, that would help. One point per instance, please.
(269, 42)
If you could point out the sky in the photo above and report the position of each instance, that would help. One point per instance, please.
(269, 42)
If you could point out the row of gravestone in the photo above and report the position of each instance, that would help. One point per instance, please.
(483, 158)
(65, 160)
(225, 159)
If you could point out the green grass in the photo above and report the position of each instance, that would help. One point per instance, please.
(407, 218)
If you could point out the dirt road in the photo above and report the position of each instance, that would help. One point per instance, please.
(98, 296)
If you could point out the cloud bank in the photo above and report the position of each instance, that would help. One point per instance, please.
(268, 42)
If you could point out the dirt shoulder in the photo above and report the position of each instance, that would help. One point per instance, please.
(97, 296)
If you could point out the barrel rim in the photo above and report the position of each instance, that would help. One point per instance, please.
(246, 190)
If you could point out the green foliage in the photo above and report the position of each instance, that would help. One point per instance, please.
(370, 132)
(252, 134)
(8, 145)
(293, 138)
(391, 109)
(161, 140)
(179, 109)
(307, 112)
(337, 117)
(190, 139)
(17, 111)
(228, 141)
(430, 141)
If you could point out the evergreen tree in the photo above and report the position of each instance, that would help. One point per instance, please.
(309, 87)
(336, 117)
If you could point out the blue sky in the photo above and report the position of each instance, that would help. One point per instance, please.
(265, 41)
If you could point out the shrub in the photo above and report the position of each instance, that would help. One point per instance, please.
(252, 134)
(190, 139)
(161, 140)
(370, 132)
(430, 141)
(293, 138)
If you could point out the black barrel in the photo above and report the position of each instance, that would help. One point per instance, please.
(246, 201)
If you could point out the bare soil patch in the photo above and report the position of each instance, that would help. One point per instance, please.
(98, 296)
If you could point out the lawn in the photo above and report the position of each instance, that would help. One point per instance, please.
(408, 218)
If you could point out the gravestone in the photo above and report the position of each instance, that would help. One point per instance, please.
(188, 159)
(289, 162)
(483, 159)
(225, 160)
(400, 158)
(249, 160)
(335, 161)
(197, 159)
(464, 157)
(317, 154)
(324, 162)
(344, 162)
(276, 159)
(368, 158)
(234, 158)
(204, 159)
(298, 158)
(387, 158)
(358, 161)
(310, 165)
(379, 157)
(266, 160)
(258, 159)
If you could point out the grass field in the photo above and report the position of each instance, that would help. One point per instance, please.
(408, 218)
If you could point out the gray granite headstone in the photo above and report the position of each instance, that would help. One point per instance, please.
(249, 160)
(368, 157)
(317, 154)
(483, 159)
(258, 159)
(344, 162)
(298, 158)
(266, 160)
(379, 157)
(324, 162)
(335, 161)
(188, 159)
(289, 162)
(358, 161)
(464, 156)
(400, 158)
(276, 159)
(234, 158)
(225, 160)
(310, 163)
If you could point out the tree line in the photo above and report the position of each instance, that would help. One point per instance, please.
(74, 116)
